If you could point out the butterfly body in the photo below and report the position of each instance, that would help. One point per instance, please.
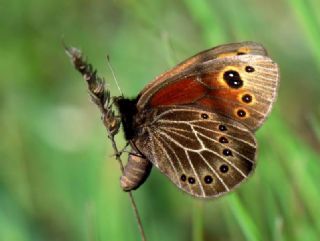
(195, 123)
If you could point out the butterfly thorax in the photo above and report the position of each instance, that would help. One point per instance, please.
(128, 110)
(132, 119)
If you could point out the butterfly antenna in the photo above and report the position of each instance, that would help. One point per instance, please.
(113, 74)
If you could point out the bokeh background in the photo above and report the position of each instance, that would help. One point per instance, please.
(58, 179)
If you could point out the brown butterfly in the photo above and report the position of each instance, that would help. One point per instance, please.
(195, 123)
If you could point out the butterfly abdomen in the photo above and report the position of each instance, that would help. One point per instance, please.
(135, 172)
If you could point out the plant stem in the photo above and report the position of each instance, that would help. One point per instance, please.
(197, 226)
(101, 97)
(132, 200)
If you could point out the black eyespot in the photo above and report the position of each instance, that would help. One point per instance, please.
(233, 79)
(247, 98)
(204, 116)
(241, 113)
(222, 128)
(227, 152)
(241, 53)
(224, 168)
(222, 139)
(208, 179)
(183, 178)
(249, 69)
(191, 180)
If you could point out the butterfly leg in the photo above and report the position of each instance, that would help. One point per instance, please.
(136, 172)
(123, 150)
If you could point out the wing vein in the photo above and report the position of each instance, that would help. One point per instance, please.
(198, 151)
(214, 172)
(170, 161)
(245, 157)
(205, 161)
(232, 137)
(195, 173)
(179, 161)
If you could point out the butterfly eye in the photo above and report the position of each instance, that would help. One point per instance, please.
(233, 79)
(224, 168)
(208, 179)
(249, 69)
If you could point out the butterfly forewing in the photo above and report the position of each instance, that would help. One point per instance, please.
(203, 153)
(222, 51)
(242, 87)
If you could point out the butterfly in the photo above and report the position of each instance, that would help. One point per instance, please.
(196, 122)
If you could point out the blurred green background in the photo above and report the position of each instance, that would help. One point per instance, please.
(58, 180)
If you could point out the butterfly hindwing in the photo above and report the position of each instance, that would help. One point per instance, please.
(203, 153)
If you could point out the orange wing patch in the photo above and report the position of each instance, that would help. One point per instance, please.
(184, 91)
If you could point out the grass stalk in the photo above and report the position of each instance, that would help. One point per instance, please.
(306, 17)
(101, 97)
(197, 218)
